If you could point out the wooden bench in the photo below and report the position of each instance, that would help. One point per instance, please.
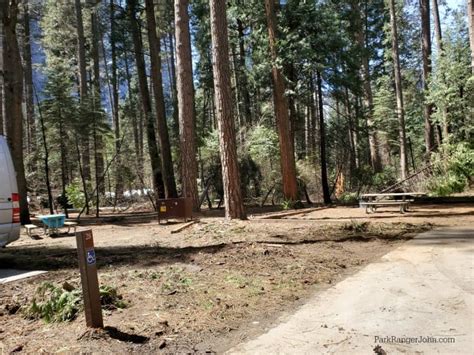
(69, 225)
(372, 205)
(29, 228)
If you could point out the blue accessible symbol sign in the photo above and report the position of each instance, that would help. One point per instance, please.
(91, 256)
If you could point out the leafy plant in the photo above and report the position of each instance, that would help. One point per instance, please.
(54, 304)
(454, 169)
(75, 195)
(110, 299)
(349, 197)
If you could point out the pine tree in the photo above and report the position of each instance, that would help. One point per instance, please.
(233, 203)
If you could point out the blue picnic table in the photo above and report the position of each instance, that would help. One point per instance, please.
(52, 223)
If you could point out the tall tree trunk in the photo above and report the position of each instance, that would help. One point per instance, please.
(174, 90)
(28, 74)
(313, 118)
(146, 102)
(98, 141)
(426, 57)
(242, 75)
(437, 26)
(399, 93)
(280, 101)
(64, 176)
(186, 109)
(353, 160)
(156, 78)
(234, 207)
(470, 15)
(46, 158)
(13, 85)
(115, 104)
(322, 141)
(134, 113)
(375, 159)
(439, 43)
(81, 54)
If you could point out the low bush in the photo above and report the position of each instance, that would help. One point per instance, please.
(453, 169)
(61, 304)
(54, 304)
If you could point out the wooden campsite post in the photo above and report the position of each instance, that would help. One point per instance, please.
(89, 279)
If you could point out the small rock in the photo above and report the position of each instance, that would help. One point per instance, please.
(162, 344)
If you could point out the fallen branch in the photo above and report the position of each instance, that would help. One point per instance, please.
(183, 227)
(280, 215)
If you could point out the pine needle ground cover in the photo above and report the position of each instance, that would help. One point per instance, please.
(202, 289)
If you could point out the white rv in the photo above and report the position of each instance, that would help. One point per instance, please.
(9, 198)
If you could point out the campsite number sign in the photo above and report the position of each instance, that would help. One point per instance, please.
(89, 279)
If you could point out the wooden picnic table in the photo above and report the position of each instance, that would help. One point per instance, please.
(373, 200)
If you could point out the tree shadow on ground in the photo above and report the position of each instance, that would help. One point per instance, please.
(58, 257)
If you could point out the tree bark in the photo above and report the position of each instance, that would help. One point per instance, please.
(439, 43)
(426, 58)
(322, 142)
(98, 141)
(115, 104)
(186, 109)
(13, 86)
(234, 207)
(146, 102)
(437, 26)
(470, 15)
(81, 54)
(174, 90)
(375, 159)
(156, 78)
(280, 101)
(28, 74)
(242, 75)
(399, 93)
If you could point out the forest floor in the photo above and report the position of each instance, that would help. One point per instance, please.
(208, 287)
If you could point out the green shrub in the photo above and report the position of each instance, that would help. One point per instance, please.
(54, 304)
(110, 299)
(348, 197)
(75, 195)
(453, 169)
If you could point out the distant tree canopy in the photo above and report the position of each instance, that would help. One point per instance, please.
(239, 101)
